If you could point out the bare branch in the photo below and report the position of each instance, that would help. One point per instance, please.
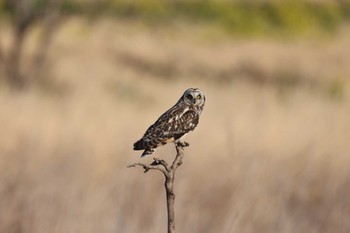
(178, 159)
(161, 162)
(149, 167)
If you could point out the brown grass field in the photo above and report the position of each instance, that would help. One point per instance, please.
(271, 152)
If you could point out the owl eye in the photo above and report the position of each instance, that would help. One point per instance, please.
(189, 97)
(199, 97)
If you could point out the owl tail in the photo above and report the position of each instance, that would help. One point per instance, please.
(148, 151)
(139, 145)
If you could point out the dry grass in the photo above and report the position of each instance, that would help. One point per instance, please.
(268, 155)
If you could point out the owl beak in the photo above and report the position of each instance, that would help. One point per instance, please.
(194, 100)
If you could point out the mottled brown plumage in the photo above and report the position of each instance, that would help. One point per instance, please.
(174, 124)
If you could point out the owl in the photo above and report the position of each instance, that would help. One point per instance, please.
(174, 124)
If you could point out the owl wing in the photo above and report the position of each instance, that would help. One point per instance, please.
(169, 127)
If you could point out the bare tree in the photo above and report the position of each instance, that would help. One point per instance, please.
(26, 13)
(169, 174)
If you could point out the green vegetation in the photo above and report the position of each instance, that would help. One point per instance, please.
(237, 17)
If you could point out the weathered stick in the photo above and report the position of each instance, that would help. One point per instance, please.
(169, 174)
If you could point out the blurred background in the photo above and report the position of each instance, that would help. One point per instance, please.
(82, 80)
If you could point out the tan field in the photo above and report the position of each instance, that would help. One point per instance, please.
(271, 152)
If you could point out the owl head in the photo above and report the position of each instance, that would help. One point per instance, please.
(193, 97)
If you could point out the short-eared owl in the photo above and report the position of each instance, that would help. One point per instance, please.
(174, 124)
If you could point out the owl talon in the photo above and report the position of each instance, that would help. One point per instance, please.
(182, 144)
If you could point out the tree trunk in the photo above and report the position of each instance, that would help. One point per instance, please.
(170, 198)
(15, 78)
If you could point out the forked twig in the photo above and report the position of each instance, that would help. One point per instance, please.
(157, 164)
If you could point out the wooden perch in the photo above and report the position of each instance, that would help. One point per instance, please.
(169, 174)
